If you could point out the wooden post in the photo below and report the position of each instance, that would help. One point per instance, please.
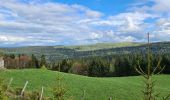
(9, 83)
(42, 93)
(22, 92)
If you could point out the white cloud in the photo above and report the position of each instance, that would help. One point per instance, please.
(55, 21)
(88, 12)
(123, 22)
(163, 25)
(161, 6)
(116, 37)
(130, 21)
(6, 38)
(160, 26)
(52, 23)
(93, 14)
(162, 30)
(96, 35)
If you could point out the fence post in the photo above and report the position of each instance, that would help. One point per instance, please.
(9, 84)
(42, 93)
(22, 92)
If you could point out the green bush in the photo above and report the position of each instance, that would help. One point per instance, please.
(43, 67)
(3, 88)
(59, 89)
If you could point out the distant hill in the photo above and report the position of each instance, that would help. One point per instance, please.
(101, 49)
(99, 46)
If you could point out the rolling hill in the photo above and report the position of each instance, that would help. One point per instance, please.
(54, 53)
(120, 88)
(99, 46)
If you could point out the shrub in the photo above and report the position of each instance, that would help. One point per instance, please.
(44, 67)
(59, 89)
(3, 88)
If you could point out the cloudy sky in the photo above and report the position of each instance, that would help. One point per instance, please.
(75, 22)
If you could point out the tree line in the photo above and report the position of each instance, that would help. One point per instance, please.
(106, 66)
(21, 61)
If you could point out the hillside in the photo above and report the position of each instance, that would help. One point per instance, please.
(124, 88)
(62, 52)
(99, 46)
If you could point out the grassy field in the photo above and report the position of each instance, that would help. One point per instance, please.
(99, 46)
(120, 88)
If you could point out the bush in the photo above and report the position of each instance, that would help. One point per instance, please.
(44, 67)
(3, 88)
(59, 89)
(59, 92)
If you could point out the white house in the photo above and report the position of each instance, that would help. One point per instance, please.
(1, 63)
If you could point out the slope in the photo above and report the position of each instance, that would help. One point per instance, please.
(120, 88)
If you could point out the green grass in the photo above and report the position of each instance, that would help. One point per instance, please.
(120, 88)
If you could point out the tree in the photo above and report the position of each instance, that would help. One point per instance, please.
(1, 53)
(166, 62)
(65, 65)
(12, 56)
(98, 68)
(149, 93)
(43, 61)
(112, 68)
(79, 68)
(123, 67)
(24, 61)
(34, 61)
(59, 89)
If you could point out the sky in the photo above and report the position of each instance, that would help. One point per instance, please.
(79, 22)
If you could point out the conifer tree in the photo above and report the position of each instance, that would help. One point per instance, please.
(34, 61)
(43, 61)
(149, 93)
(59, 89)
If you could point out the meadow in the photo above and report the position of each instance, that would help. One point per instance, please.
(119, 88)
